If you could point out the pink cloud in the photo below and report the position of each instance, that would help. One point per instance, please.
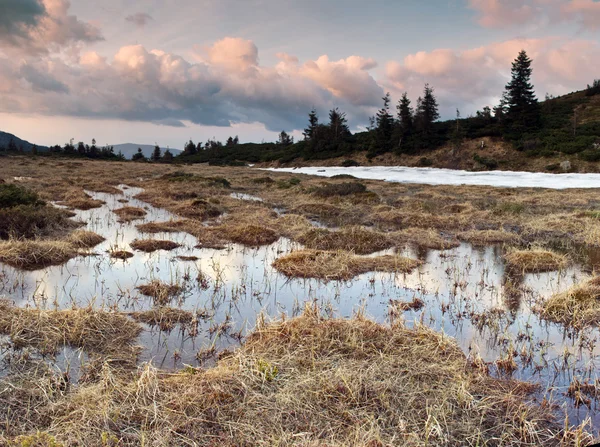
(501, 13)
(587, 12)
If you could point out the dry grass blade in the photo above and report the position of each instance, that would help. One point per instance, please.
(339, 265)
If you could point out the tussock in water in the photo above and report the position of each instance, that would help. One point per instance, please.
(339, 265)
(150, 245)
(129, 213)
(85, 239)
(488, 237)
(579, 306)
(161, 292)
(535, 261)
(35, 254)
(120, 254)
(356, 239)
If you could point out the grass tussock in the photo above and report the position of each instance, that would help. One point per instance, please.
(129, 213)
(489, 237)
(578, 307)
(29, 221)
(120, 254)
(339, 189)
(173, 226)
(150, 245)
(85, 239)
(245, 234)
(425, 238)
(311, 381)
(357, 239)
(161, 292)
(166, 318)
(535, 261)
(35, 254)
(80, 200)
(339, 265)
(93, 330)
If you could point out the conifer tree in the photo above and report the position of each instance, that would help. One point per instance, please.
(156, 153)
(405, 114)
(522, 108)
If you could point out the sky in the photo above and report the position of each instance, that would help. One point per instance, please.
(165, 72)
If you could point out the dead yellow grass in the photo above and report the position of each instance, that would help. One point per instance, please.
(93, 330)
(166, 318)
(35, 254)
(172, 226)
(339, 265)
(247, 234)
(357, 239)
(425, 238)
(535, 261)
(85, 239)
(578, 306)
(161, 292)
(78, 199)
(129, 213)
(120, 254)
(310, 381)
(150, 245)
(488, 237)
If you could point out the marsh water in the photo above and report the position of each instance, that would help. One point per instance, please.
(462, 290)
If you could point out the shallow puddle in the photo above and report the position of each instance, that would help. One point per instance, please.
(462, 290)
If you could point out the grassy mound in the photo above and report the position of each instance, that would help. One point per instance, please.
(120, 254)
(338, 265)
(357, 239)
(535, 261)
(46, 330)
(150, 245)
(310, 382)
(161, 292)
(85, 239)
(488, 237)
(34, 254)
(129, 213)
(577, 307)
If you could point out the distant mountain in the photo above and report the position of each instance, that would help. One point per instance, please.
(128, 149)
(26, 145)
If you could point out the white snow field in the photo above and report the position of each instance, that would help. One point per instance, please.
(435, 176)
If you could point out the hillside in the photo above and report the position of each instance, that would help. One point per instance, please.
(568, 130)
(128, 149)
(6, 137)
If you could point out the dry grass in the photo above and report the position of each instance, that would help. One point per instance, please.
(357, 239)
(339, 265)
(129, 213)
(166, 318)
(578, 306)
(535, 261)
(85, 239)
(78, 199)
(310, 382)
(173, 226)
(120, 254)
(425, 238)
(35, 254)
(161, 292)
(93, 330)
(489, 237)
(150, 245)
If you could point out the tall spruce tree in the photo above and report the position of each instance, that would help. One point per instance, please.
(385, 125)
(338, 125)
(310, 133)
(156, 153)
(522, 108)
(405, 114)
(427, 109)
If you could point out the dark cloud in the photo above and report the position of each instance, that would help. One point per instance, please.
(42, 82)
(17, 16)
(140, 19)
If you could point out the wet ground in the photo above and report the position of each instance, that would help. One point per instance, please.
(462, 290)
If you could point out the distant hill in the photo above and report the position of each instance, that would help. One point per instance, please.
(5, 138)
(128, 149)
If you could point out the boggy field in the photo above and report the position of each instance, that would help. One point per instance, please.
(151, 304)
